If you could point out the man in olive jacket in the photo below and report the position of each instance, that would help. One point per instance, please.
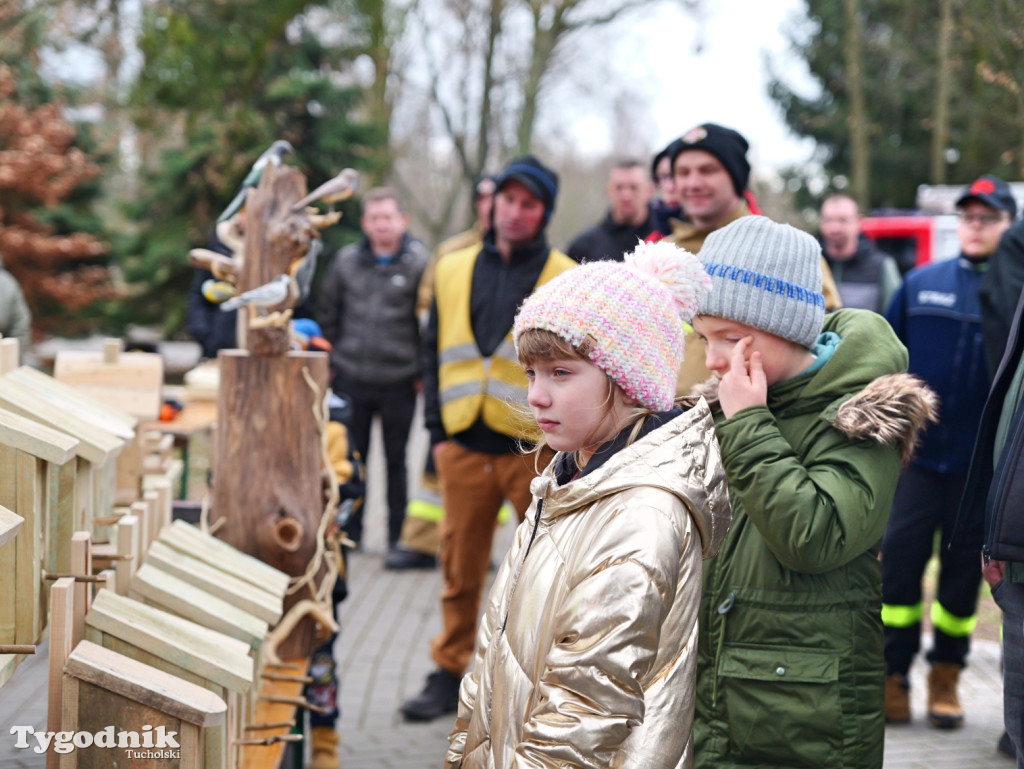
(814, 416)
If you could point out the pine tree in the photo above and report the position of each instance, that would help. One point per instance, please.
(60, 270)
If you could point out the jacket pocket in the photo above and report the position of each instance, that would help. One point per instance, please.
(782, 705)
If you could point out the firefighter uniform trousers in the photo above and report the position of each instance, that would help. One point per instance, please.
(926, 502)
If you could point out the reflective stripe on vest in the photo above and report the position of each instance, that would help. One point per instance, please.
(471, 386)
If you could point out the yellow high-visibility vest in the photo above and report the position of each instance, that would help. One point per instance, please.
(471, 385)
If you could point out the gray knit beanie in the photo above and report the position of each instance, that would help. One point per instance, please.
(765, 275)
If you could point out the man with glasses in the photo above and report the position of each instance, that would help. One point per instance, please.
(936, 314)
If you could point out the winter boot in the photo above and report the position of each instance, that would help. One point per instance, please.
(439, 696)
(944, 710)
(325, 748)
(897, 699)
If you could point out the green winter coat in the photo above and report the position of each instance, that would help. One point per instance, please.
(790, 665)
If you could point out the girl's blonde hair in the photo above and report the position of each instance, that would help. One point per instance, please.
(538, 344)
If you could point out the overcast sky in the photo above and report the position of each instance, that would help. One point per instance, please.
(692, 71)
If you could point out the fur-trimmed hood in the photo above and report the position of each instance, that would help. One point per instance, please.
(892, 410)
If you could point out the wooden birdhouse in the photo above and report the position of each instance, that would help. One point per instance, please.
(184, 649)
(146, 716)
(37, 486)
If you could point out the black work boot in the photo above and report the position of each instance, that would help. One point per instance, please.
(439, 696)
(402, 558)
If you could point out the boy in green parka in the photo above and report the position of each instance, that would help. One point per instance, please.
(814, 417)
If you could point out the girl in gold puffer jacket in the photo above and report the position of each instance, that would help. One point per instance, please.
(586, 654)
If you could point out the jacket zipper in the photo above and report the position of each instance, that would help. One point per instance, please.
(522, 563)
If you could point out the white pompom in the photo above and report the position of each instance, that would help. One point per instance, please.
(677, 269)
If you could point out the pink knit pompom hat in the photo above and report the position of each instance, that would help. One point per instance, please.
(634, 313)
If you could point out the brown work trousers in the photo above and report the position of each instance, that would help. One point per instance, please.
(474, 486)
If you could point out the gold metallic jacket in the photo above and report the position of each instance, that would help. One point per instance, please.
(586, 655)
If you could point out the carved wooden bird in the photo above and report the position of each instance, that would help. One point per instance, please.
(273, 154)
(288, 290)
(335, 190)
(218, 291)
(269, 295)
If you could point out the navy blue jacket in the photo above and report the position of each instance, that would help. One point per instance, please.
(937, 316)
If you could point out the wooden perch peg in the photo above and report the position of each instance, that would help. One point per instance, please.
(9, 355)
(112, 349)
(17, 649)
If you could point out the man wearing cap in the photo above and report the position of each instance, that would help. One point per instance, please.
(421, 540)
(627, 221)
(665, 207)
(711, 171)
(474, 406)
(937, 316)
(865, 276)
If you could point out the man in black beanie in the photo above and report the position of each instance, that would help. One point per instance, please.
(474, 390)
(709, 163)
(711, 171)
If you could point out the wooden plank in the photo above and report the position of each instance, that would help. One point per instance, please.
(129, 471)
(62, 606)
(81, 563)
(140, 510)
(127, 550)
(156, 587)
(245, 595)
(10, 522)
(145, 684)
(29, 618)
(153, 520)
(131, 369)
(165, 503)
(189, 539)
(110, 417)
(36, 439)
(69, 716)
(95, 444)
(112, 348)
(60, 514)
(212, 655)
(85, 482)
(8, 552)
(10, 353)
(105, 488)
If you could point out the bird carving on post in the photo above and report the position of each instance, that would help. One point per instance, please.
(331, 192)
(273, 154)
(283, 292)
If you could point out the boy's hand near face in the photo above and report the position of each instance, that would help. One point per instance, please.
(744, 384)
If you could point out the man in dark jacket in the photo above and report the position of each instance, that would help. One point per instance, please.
(866, 277)
(936, 315)
(991, 517)
(628, 220)
(1000, 290)
(367, 308)
(474, 404)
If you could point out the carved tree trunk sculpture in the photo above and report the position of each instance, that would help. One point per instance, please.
(267, 487)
